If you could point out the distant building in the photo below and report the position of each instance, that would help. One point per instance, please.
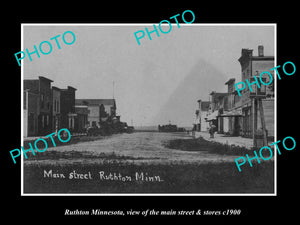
(231, 117)
(201, 115)
(100, 110)
(217, 107)
(81, 120)
(38, 94)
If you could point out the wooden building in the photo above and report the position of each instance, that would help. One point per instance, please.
(37, 94)
(67, 108)
(100, 110)
(253, 66)
(252, 112)
(201, 115)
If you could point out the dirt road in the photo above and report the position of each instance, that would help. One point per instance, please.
(137, 147)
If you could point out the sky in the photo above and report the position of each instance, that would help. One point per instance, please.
(157, 81)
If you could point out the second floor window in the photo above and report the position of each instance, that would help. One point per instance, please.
(57, 107)
(54, 105)
(42, 100)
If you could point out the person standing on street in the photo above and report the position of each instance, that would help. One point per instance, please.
(212, 130)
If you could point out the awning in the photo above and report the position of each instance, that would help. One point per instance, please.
(212, 116)
(232, 113)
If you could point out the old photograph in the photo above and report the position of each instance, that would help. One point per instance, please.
(131, 109)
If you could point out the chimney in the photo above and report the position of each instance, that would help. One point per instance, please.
(260, 50)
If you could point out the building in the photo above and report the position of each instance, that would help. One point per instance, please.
(253, 66)
(252, 113)
(30, 112)
(67, 108)
(217, 107)
(81, 120)
(42, 124)
(100, 110)
(231, 117)
(56, 116)
(48, 109)
(201, 115)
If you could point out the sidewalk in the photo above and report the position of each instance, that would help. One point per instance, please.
(221, 138)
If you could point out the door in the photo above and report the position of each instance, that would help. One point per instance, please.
(236, 131)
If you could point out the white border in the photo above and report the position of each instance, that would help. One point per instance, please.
(149, 24)
(22, 113)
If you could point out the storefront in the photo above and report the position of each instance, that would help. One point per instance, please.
(231, 122)
(213, 118)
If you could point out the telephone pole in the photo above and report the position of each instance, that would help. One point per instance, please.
(113, 90)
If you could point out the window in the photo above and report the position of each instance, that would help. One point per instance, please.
(54, 105)
(31, 122)
(42, 120)
(24, 100)
(42, 100)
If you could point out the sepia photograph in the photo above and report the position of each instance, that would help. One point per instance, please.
(109, 112)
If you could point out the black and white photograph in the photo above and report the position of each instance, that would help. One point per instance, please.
(145, 114)
(159, 114)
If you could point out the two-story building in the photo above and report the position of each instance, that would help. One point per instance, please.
(241, 115)
(43, 100)
(56, 116)
(47, 109)
(67, 108)
(230, 117)
(30, 112)
(253, 66)
(217, 107)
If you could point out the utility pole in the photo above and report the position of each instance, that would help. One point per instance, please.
(262, 119)
(113, 89)
(254, 121)
(258, 105)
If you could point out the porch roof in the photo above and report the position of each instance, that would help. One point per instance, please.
(231, 113)
(212, 116)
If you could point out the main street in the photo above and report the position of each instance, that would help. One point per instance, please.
(139, 147)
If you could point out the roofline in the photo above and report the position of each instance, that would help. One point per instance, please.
(231, 80)
(70, 87)
(258, 58)
(220, 93)
(45, 78)
(56, 88)
(95, 99)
